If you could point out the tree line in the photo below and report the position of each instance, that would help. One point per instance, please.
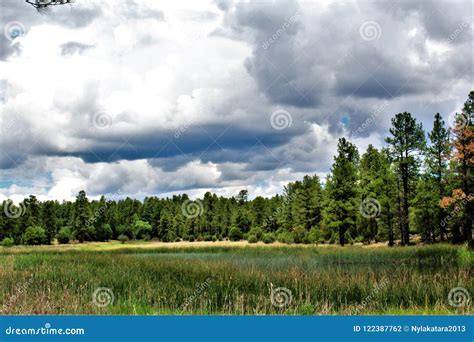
(418, 184)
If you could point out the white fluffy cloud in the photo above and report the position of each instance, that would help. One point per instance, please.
(154, 98)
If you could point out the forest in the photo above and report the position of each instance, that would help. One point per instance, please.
(419, 185)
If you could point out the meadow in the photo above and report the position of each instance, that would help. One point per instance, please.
(232, 278)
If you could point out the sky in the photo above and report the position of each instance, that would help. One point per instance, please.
(140, 98)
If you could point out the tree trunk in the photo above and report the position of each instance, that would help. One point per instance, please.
(468, 211)
(400, 211)
(341, 236)
(390, 228)
(406, 223)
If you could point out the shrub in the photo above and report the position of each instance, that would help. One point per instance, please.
(252, 239)
(141, 229)
(299, 235)
(123, 238)
(235, 234)
(8, 242)
(214, 238)
(64, 235)
(104, 233)
(34, 235)
(171, 236)
(315, 236)
(124, 230)
(268, 238)
(257, 232)
(285, 237)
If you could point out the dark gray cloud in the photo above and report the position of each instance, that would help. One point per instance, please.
(343, 68)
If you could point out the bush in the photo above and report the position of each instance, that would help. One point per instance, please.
(257, 232)
(8, 242)
(140, 229)
(64, 235)
(315, 236)
(299, 235)
(268, 238)
(124, 230)
(170, 236)
(252, 239)
(214, 238)
(235, 234)
(123, 238)
(34, 235)
(285, 237)
(104, 233)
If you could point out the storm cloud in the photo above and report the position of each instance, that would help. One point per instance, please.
(153, 98)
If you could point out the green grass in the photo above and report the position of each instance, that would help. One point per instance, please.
(229, 280)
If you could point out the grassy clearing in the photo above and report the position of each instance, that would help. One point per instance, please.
(233, 279)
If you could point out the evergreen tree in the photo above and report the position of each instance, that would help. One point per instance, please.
(342, 190)
(464, 169)
(437, 154)
(388, 196)
(371, 181)
(406, 143)
(49, 220)
(81, 216)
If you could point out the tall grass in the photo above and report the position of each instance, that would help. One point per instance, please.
(228, 280)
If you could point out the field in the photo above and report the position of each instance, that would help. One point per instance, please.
(233, 278)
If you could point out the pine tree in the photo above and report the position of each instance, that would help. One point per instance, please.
(388, 196)
(370, 186)
(81, 216)
(464, 168)
(342, 190)
(425, 205)
(406, 143)
(49, 220)
(437, 154)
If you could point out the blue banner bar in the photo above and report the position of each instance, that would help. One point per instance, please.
(237, 328)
